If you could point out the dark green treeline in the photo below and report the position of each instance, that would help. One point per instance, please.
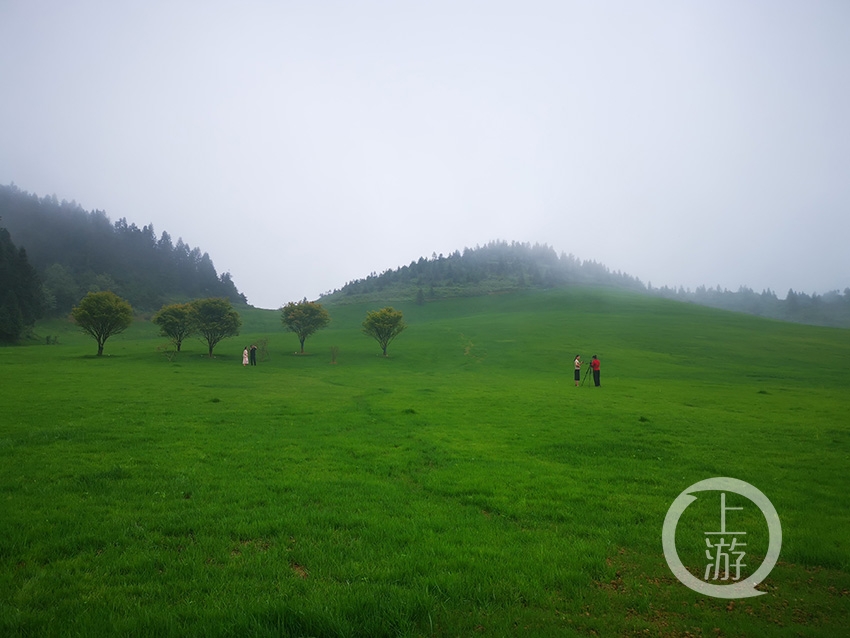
(74, 251)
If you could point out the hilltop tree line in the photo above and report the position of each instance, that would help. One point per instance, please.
(501, 266)
(52, 253)
(830, 309)
(74, 251)
(496, 266)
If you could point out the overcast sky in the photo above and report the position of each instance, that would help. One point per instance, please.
(305, 144)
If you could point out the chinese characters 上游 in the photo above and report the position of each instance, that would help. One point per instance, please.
(719, 553)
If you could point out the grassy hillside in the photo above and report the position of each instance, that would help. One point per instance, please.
(461, 486)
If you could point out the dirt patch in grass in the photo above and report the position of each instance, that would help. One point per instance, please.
(299, 570)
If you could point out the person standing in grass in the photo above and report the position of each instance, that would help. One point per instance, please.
(577, 363)
(245, 356)
(595, 364)
(253, 355)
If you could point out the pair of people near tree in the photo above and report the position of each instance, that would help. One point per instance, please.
(249, 356)
(595, 365)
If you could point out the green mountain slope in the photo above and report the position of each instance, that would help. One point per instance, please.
(499, 267)
(461, 486)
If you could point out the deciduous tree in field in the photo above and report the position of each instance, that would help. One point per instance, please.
(304, 318)
(215, 319)
(176, 321)
(384, 325)
(101, 315)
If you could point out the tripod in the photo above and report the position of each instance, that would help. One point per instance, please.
(585, 374)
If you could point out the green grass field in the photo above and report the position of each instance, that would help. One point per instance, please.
(462, 486)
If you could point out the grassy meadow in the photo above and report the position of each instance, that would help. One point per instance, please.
(462, 486)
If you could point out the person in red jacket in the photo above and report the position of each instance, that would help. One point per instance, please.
(595, 365)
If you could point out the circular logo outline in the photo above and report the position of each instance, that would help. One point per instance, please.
(742, 589)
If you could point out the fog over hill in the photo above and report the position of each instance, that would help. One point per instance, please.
(75, 251)
(500, 266)
(303, 144)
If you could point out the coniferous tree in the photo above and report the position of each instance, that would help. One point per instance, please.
(74, 251)
(20, 290)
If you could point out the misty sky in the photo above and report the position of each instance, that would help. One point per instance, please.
(306, 144)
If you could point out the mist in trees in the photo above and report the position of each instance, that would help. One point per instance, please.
(497, 266)
(74, 251)
(830, 309)
(502, 266)
(71, 252)
(20, 290)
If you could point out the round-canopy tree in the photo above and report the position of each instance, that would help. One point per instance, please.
(177, 322)
(304, 318)
(101, 315)
(215, 319)
(384, 325)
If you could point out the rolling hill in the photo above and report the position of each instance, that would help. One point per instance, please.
(461, 486)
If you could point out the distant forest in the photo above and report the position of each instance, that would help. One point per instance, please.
(74, 252)
(830, 309)
(497, 266)
(501, 266)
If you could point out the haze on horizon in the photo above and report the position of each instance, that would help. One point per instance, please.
(303, 145)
